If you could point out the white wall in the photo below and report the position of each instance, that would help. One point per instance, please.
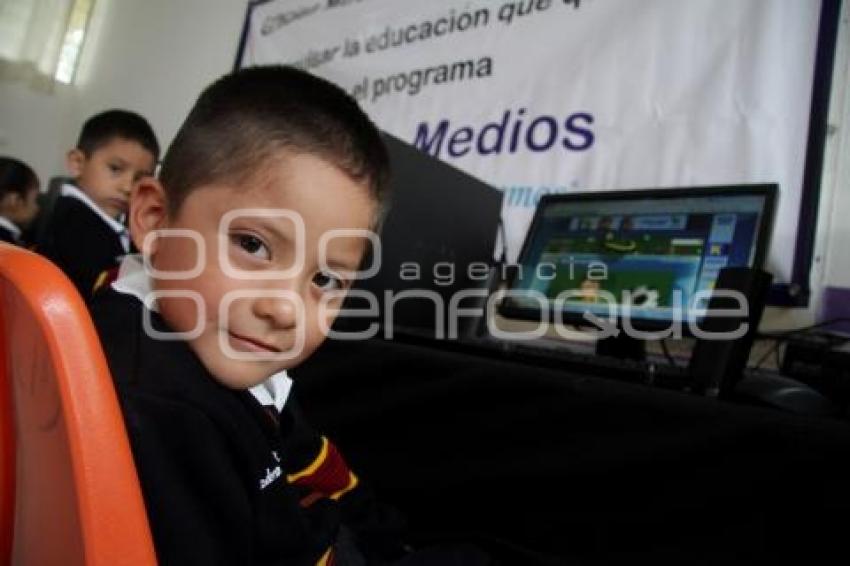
(150, 56)
(31, 126)
(836, 252)
(155, 56)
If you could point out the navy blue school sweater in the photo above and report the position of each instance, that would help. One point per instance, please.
(225, 481)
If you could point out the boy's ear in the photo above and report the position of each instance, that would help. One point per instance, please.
(74, 162)
(148, 212)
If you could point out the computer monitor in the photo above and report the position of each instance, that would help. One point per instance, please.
(652, 256)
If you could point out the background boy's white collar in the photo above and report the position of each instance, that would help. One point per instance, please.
(134, 280)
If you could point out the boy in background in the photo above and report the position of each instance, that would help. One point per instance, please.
(85, 233)
(249, 240)
(18, 194)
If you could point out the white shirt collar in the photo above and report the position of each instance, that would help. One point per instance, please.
(69, 190)
(273, 391)
(134, 280)
(11, 227)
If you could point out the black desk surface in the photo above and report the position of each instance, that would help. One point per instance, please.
(590, 469)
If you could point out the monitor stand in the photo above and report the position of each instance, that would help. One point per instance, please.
(622, 346)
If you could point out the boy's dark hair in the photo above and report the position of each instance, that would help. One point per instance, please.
(16, 177)
(102, 128)
(248, 116)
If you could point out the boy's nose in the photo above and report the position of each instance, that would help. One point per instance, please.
(126, 184)
(281, 312)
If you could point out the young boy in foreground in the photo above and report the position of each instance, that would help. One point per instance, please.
(84, 233)
(249, 239)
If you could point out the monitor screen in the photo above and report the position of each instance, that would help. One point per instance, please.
(650, 255)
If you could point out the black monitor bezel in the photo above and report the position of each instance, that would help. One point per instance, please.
(769, 191)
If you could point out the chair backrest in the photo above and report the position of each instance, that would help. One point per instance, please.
(70, 493)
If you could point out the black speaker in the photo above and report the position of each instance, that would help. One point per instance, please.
(724, 340)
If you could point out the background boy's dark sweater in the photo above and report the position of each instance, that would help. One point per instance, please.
(80, 243)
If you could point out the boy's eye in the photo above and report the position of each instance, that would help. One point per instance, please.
(328, 282)
(115, 168)
(252, 245)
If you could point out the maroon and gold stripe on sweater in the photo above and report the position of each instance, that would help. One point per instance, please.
(106, 277)
(327, 559)
(327, 476)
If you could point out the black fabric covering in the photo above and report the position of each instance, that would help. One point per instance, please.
(592, 470)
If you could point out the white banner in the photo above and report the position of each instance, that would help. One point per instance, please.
(541, 96)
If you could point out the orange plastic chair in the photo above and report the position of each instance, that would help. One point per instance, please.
(69, 493)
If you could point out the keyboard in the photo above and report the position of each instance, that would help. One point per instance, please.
(581, 359)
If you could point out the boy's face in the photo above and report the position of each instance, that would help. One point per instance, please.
(258, 322)
(21, 210)
(108, 175)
